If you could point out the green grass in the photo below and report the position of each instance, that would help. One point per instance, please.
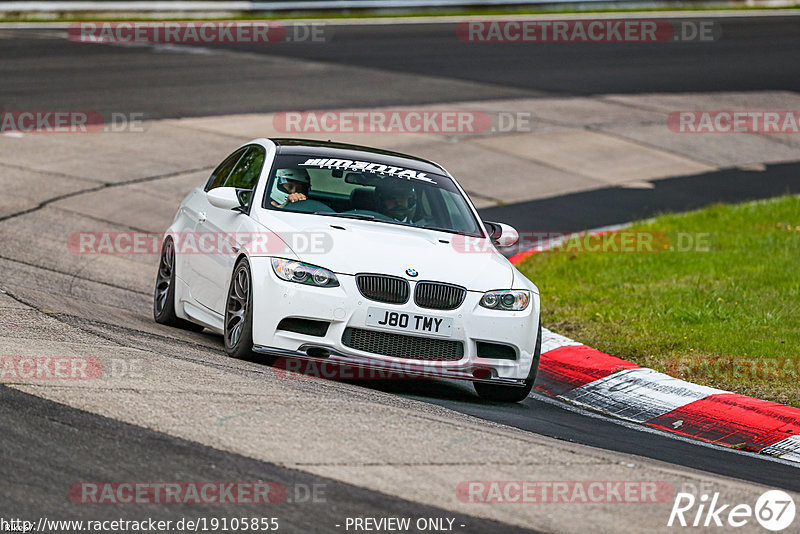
(432, 12)
(739, 299)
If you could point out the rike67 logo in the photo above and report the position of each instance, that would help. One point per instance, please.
(774, 510)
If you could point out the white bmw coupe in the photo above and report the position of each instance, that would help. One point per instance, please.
(367, 258)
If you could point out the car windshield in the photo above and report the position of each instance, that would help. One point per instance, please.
(369, 191)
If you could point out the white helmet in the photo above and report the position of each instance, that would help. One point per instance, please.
(299, 176)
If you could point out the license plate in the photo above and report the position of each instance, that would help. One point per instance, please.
(410, 322)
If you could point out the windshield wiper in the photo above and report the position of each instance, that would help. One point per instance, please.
(358, 216)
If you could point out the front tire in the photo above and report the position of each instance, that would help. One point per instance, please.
(239, 313)
(500, 393)
(164, 294)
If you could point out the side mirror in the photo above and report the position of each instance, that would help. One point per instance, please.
(225, 198)
(501, 234)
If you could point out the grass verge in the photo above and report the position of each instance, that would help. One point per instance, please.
(716, 303)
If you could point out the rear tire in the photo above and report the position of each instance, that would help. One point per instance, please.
(500, 393)
(239, 313)
(164, 294)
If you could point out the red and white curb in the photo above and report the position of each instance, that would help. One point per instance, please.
(587, 377)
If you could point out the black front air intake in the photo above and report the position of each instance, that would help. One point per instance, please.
(495, 351)
(403, 346)
(304, 326)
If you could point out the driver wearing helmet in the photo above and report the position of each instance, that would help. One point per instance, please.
(396, 198)
(295, 183)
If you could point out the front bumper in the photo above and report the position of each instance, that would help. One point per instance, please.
(344, 307)
(405, 368)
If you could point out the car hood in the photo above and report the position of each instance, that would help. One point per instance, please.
(349, 246)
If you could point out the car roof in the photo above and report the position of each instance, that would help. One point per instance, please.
(332, 149)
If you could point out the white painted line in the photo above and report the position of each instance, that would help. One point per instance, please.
(638, 395)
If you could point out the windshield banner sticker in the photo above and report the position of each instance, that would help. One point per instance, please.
(366, 166)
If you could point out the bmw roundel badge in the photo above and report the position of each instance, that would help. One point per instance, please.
(411, 272)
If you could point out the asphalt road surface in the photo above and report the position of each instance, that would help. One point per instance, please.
(383, 65)
(48, 446)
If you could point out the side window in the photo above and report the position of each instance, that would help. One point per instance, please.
(246, 172)
(221, 173)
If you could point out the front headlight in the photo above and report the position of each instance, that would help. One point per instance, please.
(507, 299)
(303, 273)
